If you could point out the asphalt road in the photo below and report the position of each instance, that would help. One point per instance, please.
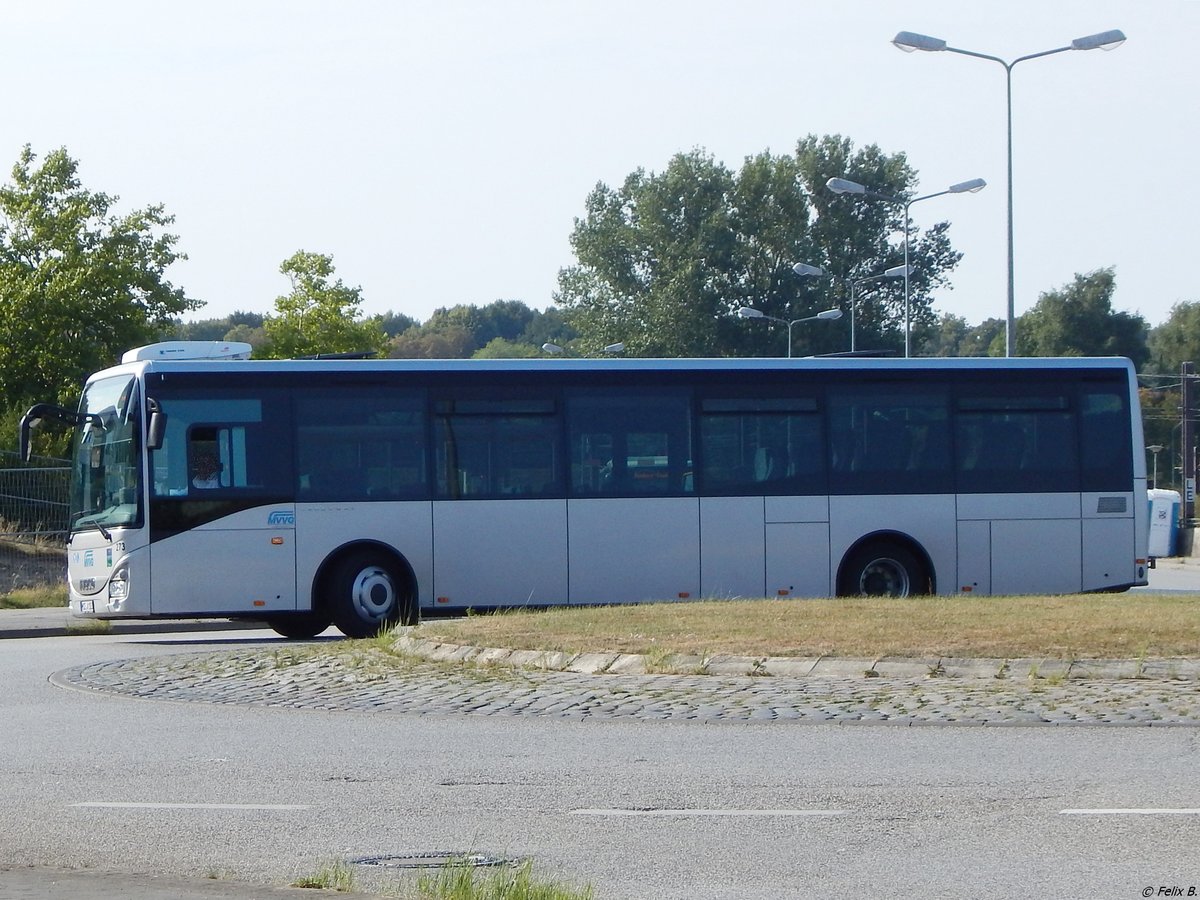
(640, 809)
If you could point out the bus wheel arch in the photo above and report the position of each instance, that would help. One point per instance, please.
(886, 563)
(365, 587)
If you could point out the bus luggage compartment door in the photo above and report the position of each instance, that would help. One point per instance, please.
(243, 564)
(629, 550)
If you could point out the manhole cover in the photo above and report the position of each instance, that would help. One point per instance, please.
(438, 859)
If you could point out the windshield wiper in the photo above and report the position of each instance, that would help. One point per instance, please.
(107, 535)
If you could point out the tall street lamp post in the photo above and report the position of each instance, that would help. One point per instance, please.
(909, 41)
(748, 312)
(1155, 449)
(893, 272)
(843, 186)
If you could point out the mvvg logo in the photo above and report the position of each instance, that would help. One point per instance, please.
(282, 517)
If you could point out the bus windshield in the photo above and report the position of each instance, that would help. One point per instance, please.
(106, 486)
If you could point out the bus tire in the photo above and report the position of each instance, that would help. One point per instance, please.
(299, 626)
(883, 569)
(367, 594)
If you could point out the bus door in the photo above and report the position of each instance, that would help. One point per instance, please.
(499, 517)
(222, 523)
(634, 519)
(764, 523)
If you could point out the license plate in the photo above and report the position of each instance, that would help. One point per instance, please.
(87, 606)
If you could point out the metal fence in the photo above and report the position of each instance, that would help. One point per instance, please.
(33, 521)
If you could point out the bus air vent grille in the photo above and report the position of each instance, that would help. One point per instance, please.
(1111, 505)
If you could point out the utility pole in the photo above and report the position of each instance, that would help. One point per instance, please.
(1187, 438)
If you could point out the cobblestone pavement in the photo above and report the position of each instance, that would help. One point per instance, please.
(323, 679)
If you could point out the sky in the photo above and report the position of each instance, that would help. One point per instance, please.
(441, 151)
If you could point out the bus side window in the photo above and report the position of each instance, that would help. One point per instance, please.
(204, 460)
(754, 444)
(626, 443)
(1026, 438)
(1105, 441)
(890, 440)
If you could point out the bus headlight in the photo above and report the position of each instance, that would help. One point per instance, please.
(118, 588)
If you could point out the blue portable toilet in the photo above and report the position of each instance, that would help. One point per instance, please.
(1164, 522)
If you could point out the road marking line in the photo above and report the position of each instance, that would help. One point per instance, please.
(1130, 812)
(707, 812)
(261, 806)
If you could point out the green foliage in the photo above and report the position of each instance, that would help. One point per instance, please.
(503, 348)
(1176, 340)
(319, 316)
(394, 323)
(1078, 320)
(241, 322)
(444, 343)
(458, 881)
(334, 875)
(504, 327)
(664, 262)
(79, 284)
(953, 336)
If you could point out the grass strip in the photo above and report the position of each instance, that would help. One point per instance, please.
(1124, 626)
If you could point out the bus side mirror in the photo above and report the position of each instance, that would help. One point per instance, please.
(157, 429)
(28, 421)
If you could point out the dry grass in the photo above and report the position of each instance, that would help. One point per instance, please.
(1060, 627)
(45, 597)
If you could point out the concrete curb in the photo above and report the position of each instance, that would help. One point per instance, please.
(57, 622)
(599, 663)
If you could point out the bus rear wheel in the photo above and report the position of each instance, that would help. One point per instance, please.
(366, 594)
(883, 570)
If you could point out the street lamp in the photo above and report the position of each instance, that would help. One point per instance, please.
(893, 272)
(749, 312)
(1155, 449)
(1106, 40)
(843, 186)
(556, 349)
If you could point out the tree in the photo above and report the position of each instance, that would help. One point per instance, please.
(1176, 340)
(444, 343)
(79, 284)
(319, 316)
(394, 323)
(853, 237)
(1078, 320)
(503, 348)
(664, 262)
(952, 336)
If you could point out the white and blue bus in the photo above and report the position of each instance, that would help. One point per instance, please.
(363, 493)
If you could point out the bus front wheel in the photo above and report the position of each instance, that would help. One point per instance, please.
(366, 594)
(299, 626)
(883, 570)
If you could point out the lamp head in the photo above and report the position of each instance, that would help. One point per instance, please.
(551, 348)
(897, 271)
(748, 312)
(1105, 40)
(908, 41)
(618, 347)
(829, 314)
(806, 269)
(844, 186)
(974, 186)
